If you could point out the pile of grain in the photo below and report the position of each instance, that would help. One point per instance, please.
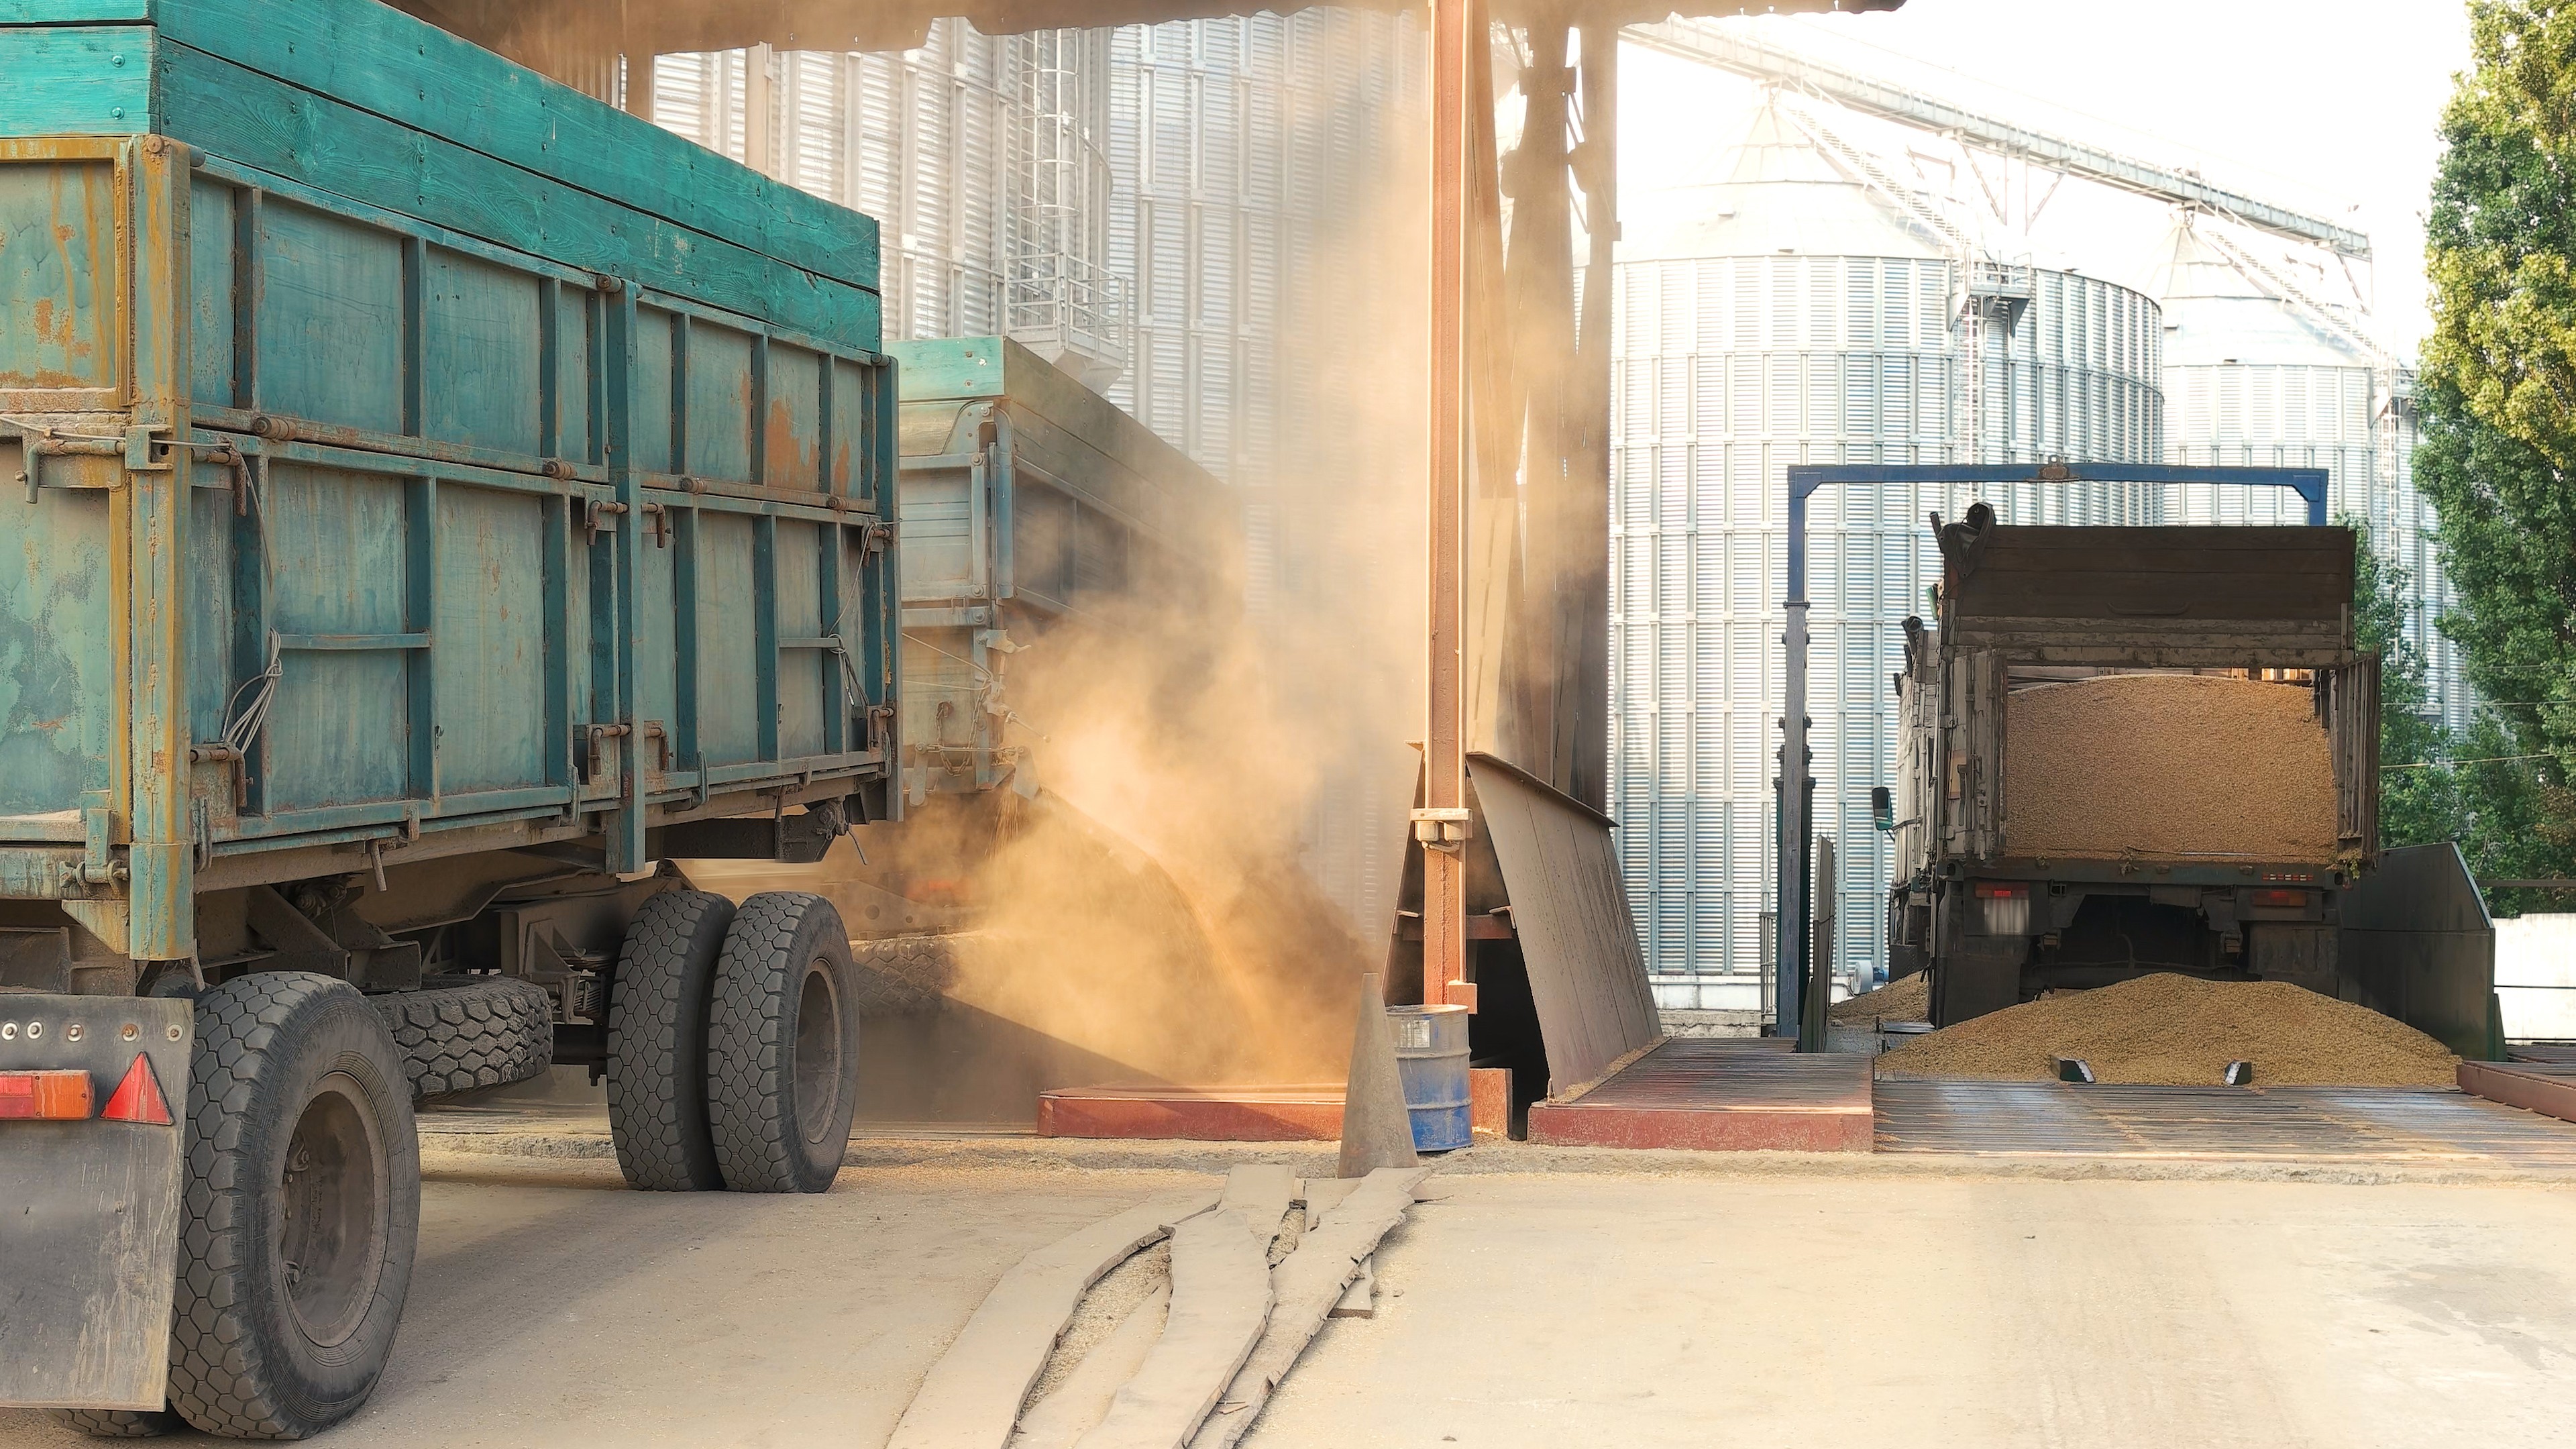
(1907, 999)
(2181, 1031)
(2167, 765)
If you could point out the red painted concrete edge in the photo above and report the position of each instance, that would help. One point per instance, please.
(1735, 1129)
(1201, 1117)
(2550, 1096)
(1189, 1119)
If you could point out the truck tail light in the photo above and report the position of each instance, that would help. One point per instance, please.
(138, 1098)
(2295, 900)
(2003, 908)
(45, 1096)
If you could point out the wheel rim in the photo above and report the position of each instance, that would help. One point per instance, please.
(331, 1236)
(818, 1054)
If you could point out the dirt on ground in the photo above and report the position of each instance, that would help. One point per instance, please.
(1907, 999)
(2167, 765)
(2175, 1030)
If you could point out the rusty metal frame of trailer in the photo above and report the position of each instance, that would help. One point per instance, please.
(1804, 479)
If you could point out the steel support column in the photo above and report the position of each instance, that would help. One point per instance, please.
(1457, 43)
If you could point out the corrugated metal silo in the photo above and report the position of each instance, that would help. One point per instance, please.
(2252, 378)
(1789, 312)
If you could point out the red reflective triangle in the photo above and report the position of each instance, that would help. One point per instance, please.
(138, 1098)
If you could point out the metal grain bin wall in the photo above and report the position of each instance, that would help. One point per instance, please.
(420, 458)
(2253, 380)
(1783, 312)
(1028, 502)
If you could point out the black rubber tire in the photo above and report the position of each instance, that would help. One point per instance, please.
(466, 1033)
(293, 1075)
(657, 1042)
(783, 1046)
(900, 975)
(120, 1423)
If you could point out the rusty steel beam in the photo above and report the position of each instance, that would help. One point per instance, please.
(1458, 46)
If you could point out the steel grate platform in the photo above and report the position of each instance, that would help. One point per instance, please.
(1719, 1095)
(2326, 1124)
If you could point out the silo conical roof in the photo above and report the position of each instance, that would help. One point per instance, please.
(2215, 313)
(1773, 191)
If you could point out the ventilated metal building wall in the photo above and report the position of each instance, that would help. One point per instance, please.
(1727, 370)
(1247, 156)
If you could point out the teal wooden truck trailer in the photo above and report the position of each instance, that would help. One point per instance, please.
(1030, 503)
(431, 498)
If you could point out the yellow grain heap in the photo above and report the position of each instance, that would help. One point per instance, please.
(2181, 1031)
(2167, 765)
(1908, 999)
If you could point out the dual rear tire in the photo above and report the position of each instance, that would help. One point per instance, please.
(733, 1044)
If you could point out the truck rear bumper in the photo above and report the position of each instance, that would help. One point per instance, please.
(89, 1204)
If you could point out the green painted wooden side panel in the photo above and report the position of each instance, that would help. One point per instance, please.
(728, 683)
(482, 343)
(249, 118)
(210, 610)
(211, 217)
(488, 665)
(77, 82)
(72, 12)
(801, 676)
(331, 319)
(340, 732)
(57, 688)
(59, 326)
(380, 60)
(719, 393)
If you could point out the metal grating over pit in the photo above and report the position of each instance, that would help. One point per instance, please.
(1719, 1095)
(2322, 1124)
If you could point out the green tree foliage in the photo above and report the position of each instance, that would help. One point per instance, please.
(2501, 247)
(2497, 403)
(2418, 796)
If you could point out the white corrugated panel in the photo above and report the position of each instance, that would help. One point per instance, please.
(1238, 149)
(1726, 370)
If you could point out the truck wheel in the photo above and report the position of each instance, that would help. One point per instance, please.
(467, 1032)
(783, 1046)
(899, 975)
(119, 1423)
(657, 1043)
(301, 1208)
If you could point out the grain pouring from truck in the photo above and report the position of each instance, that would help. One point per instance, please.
(438, 497)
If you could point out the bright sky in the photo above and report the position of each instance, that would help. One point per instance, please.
(2315, 103)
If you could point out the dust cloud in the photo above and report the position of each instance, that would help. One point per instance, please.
(1210, 858)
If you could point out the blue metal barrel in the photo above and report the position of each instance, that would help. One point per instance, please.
(1431, 1061)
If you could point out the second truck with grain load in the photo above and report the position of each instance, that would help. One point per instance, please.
(2128, 750)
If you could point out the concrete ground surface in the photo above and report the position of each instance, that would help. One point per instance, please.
(553, 1308)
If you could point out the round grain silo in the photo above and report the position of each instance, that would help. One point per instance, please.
(2255, 379)
(1793, 311)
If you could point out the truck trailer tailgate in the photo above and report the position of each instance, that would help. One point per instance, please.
(89, 1196)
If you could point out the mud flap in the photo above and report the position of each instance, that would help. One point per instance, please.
(89, 1210)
